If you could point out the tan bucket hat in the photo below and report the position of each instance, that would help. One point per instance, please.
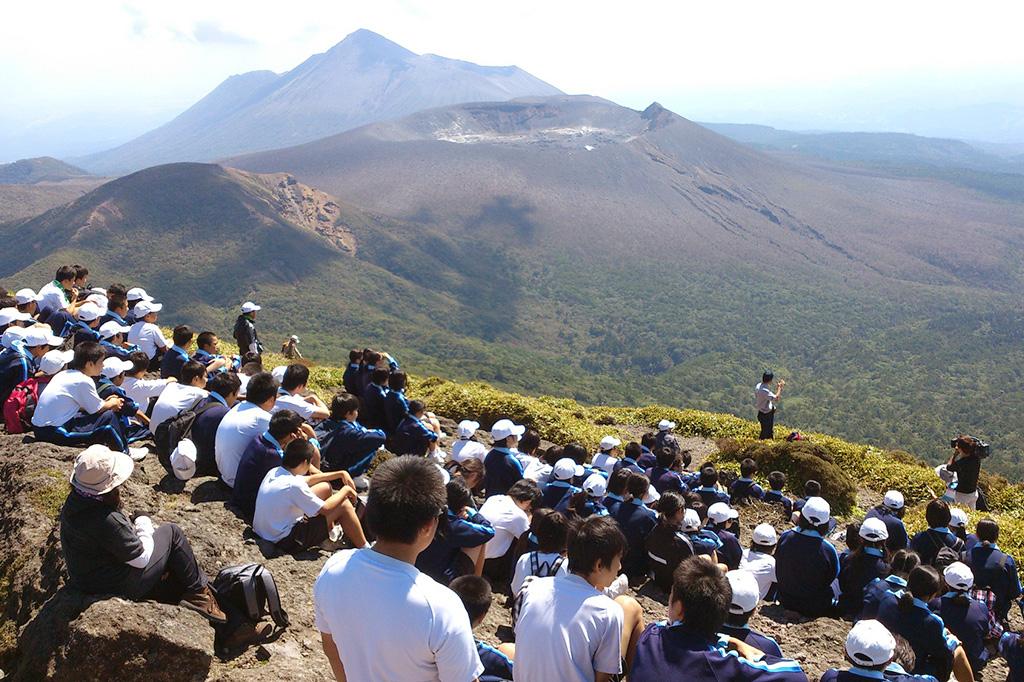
(98, 469)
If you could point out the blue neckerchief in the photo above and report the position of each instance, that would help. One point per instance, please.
(952, 593)
(281, 391)
(896, 579)
(941, 529)
(873, 551)
(508, 451)
(744, 480)
(181, 351)
(862, 672)
(353, 365)
(895, 667)
(561, 484)
(273, 441)
(629, 460)
(613, 496)
(645, 449)
(117, 318)
(217, 396)
(809, 532)
(921, 604)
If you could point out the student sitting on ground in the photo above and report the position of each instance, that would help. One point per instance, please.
(510, 516)
(264, 453)
(242, 423)
(396, 406)
(501, 467)
(223, 388)
(806, 564)
(21, 402)
(458, 546)
(208, 353)
(589, 501)
(777, 483)
(467, 446)
(105, 553)
(630, 455)
(723, 520)
(147, 335)
(759, 559)
(114, 339)
(414, 436)
(471, 471)
(370, 360)
(350, 378)
(182, 395)
(374, 399)
(551, 528)
(615, 494)
(117, 306)
(664, 477)
(527, 453)
(346, 444)
(560, 485)
(811, 489)
(70, 411)
(708, 490)
(704, 541)
(135, 296)
(176, 356)
(745, 597)
(993, 569)
(907, 614)
(385, 589)
(928, 542)
(667, 545)
(607, 455)
(475, 593)
(134, 421)
(903, 562)
(27, 302)
(872, 651)
(297, 509)
(140, 389)
(687, 645)
(22, 360)
(958, 527)
(966, 617)
(863, 566)
(292, 395)
(891, 514)
(567, 629)
(59, 294)
(85, 327)
(743, 489)
(636, 521)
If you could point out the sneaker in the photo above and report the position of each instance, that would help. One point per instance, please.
(335, 533)
(618, 587)
(138, 454)
(247, 634)
(205, 604)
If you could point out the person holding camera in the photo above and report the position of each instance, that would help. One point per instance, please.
(966, 464)
(766, 402)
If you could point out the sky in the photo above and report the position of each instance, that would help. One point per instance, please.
(96, 72)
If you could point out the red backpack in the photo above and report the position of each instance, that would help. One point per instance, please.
(21, 405)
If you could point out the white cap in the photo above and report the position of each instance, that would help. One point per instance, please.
(503, 428)
(651, 496)
(720, 512)
(110, 329)
(959, 576)
(765, 535)
(893, 500)
(9, 315)
(144, 307)
(13, 334)
(294, 338)
(23, 296)
(609, 443)
(816, 510)
(870, 643)
(566, 469)
(37, 336)
(745, 591)
(183, 459)
(446, 475)
(54, 360)
(595, 485)
(873, 530)
(89, 312)
(250, 307)
(114, 366)
(467, 428)
(691, 520)
(278, 372)
(957, 518)
(666, 425)
(138, 294)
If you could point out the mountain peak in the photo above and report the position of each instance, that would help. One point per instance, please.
(373, 45)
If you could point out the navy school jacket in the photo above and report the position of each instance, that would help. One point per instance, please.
(968, 621)
(876, 590)
(396, 408)
(997, 571)
(753, 638)
(933, 645)
(501, 469)
(119, 352)
(730, 553)
(174, 359)
(350, 379)
(636, 521)
(897, 531)
(497, 666)
(927, 543)
(412, 437)
(631, 464)
(552, 494)
(894, 673)
(1011, 647)
(806, 564)
(710, 496)
(776, 497)
(744, 490)
(665, 479)
(438, 560)
(347, 445)
(856, 572)
(371, 406)
(16, 365)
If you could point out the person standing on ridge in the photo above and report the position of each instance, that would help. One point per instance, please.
(245, 330)
(766, 402)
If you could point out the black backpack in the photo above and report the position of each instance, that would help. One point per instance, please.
(246, 593)
(538, 569)
(172, 431)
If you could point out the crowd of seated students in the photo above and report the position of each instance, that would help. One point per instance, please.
(429, 539)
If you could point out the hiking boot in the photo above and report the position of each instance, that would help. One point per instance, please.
(138, 454)
(247, 634)
(205, 604)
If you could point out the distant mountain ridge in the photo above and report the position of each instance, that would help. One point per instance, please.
(39, 169)
(363, 79)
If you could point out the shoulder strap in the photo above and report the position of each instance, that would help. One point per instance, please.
(278, 613)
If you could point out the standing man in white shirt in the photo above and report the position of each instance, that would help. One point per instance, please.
(243, 422)
(766, 402)
(146, 335)
(379, 617)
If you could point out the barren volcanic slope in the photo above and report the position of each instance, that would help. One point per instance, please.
(364, 78)
(647, 250)
(30, 186)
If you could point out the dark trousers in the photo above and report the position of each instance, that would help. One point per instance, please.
(767, 420)
(85, 429)
(172, 556)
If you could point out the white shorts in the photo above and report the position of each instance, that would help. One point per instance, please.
(968, 500)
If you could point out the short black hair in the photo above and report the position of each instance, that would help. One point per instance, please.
(632, 450)
(748, 468)
(987, 530)
(670, 503)
(140, 361)
(903, 562)
(666, 457)
(637, 485)
(380, 376)
(619, 481)
(262, 387)
(708, 476)
(523, 490)
(475, 593)
(205, 339)
(355, 355)
(298, 451)
(224, 383)
(283, 423)
(252, 358)
(529, 441)
(342, 404)
(648, 440)
(182, 335)
(767, 376)
(923, 583)
(64, 273)
(407, 494)
(575, 452)
(812, 489)
(705, 594)
(85, 353)
(551, 528)
(458, 495)
(937, 514)
(416, 407)
(595, 542)
(294, 376)
(397, 380)
(193, 369)
(81, 271)
(776, 480)
(553, 454)
(116, 290)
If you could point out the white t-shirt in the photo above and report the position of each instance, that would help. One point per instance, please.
(604, 461)
(296, 404)
(764, 398)
(468, 449)
(566, 631)
(391, 622)
(509, 523)
(283, 500)
(68, 393)
(141, 390)
(240, 425)
(173, 399)
(524, 567)
(762, 566)
(148, 337)
(52, 297)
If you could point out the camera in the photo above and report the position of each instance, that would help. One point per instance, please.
(971, 445)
